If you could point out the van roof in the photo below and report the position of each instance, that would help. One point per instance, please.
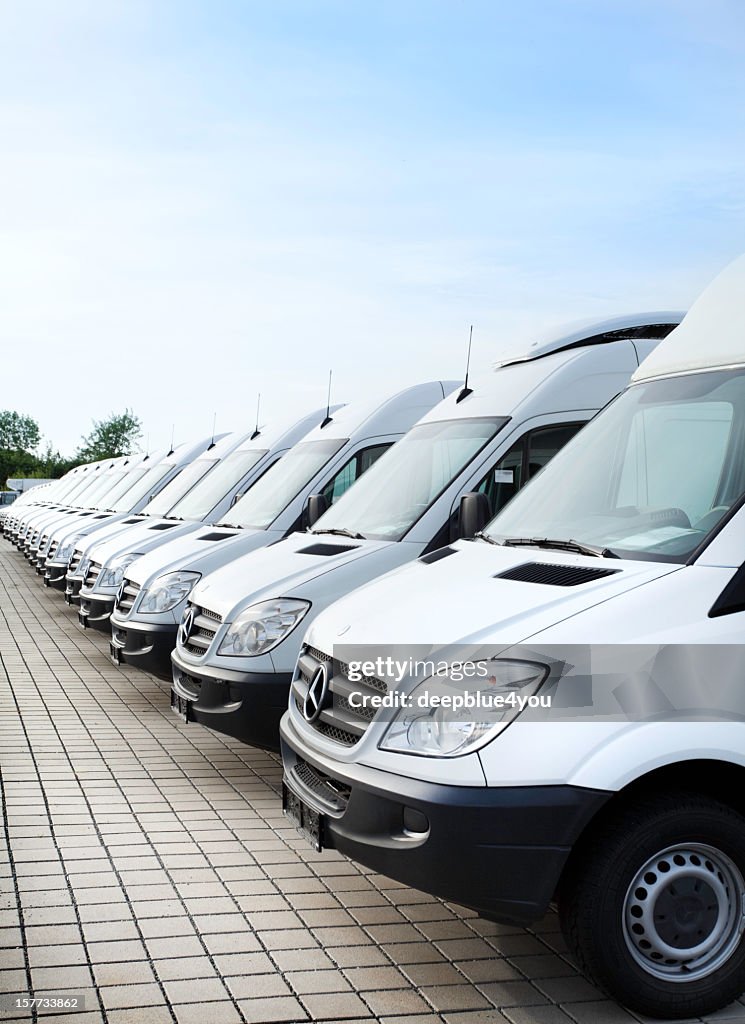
(657, 324)
(711, 335)
(381, 415)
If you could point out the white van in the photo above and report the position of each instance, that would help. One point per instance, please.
(171, 514)
(330, 457)
(463, 460)
(97, 511)
(631, 540)
(147, 482)
(44, 494)
(81, 504)
(64, 496)
(204, 497)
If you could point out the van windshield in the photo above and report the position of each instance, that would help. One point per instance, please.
(175, 489)
(87, 482)
(105, 481)
(127, 481)
(403, 483)
(200, 501)
(281, 483)
(650, 477)
(146, 484)
(100, 497)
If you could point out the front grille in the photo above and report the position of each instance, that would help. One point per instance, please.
(211, 615)
(94, 571)
(128, 597)
(77, 557)
(338, 720)
(53, 548)
(202, 632)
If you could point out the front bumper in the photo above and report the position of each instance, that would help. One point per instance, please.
(95, 611)
(55, 576)
(499, 850)
(246, 705)
(146, 646)
(73, 585)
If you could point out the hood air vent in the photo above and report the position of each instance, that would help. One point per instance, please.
(435, 556)
(554, 575)
(215, 535)
(326, 549)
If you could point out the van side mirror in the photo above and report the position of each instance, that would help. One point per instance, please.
(474, 513)
(315, 506)
(237, 497)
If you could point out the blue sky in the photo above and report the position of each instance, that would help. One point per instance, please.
(199, 201)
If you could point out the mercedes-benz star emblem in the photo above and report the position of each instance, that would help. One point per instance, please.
(318, 689)
(120, 593)
(187, 624)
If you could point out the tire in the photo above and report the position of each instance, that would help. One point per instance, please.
(655, 882)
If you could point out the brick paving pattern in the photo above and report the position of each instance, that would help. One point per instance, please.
(146, 865)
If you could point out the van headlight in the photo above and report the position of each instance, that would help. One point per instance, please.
(66, 548)
(112, 575)
(167, 591)
(446, 716)
(262, 626)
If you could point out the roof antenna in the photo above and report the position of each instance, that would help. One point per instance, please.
(257, 431)
(329, 417)
(465, 391)
(173, 432)
(147, 449)
(212, 442)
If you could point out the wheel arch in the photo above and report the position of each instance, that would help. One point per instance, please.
(717, 778)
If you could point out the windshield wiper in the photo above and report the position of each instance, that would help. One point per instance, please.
(341, 532)
(486, 538)
(558, 545)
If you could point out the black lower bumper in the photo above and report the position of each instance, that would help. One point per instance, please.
(55, 576)
(499, 851)
(246, 705)
(145, 646)
(73, 585)
(95, 612)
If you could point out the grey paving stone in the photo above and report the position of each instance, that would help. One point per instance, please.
(197, 902)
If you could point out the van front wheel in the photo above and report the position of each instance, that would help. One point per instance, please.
(653, 906)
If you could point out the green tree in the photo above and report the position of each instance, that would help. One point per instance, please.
(116, 435)
(19, 436)
(51, 464)
(18, 433)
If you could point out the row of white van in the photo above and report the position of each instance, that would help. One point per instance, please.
(284, 567)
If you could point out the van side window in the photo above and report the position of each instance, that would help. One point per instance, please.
(352, 470)
(523, 460)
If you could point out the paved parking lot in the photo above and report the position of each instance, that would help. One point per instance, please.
(146, 866)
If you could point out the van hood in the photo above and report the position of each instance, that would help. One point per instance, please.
(137, 536)
(462, 597)
(204, 550)
(284, 569)
(105, 532)
(177, 552)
